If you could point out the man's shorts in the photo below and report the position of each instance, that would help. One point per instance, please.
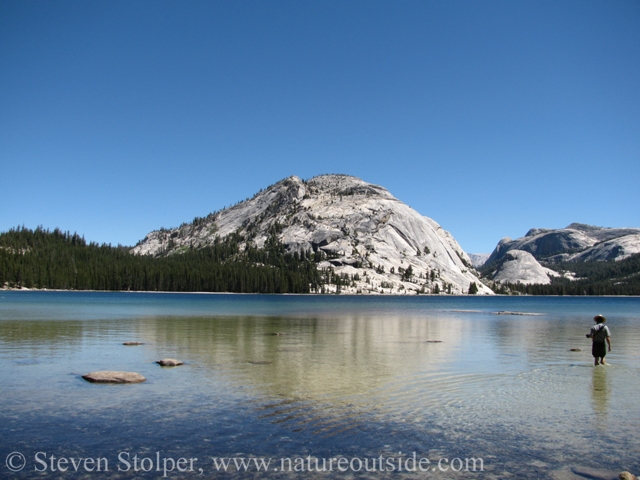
(598, 349)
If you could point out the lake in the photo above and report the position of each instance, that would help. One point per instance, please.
(316, 386)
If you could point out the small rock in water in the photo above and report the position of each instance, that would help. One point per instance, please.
(274, 334)
(576, 349)
(434, 341)
(133, 344)
(170, 362)
(110, 376)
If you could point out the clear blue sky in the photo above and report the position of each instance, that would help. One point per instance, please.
(491, 117)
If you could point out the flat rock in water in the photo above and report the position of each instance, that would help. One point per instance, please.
(110, 376)
(170, 362)
(576, 349)
(133, 344)
(594, 474)
(434, 341)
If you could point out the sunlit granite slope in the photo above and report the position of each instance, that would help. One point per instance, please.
(364, 230)
(575, 243)
(518, 266)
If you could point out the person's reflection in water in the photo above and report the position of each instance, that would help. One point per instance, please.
(600, 395)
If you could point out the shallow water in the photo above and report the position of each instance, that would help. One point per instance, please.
(365, 377)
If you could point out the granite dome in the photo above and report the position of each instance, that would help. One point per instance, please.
(364, 230)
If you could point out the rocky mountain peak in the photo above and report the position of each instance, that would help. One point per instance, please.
(362, 231)
(582, 226)
(345, 185)
(535, 231)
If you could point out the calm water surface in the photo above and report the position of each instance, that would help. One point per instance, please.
(444, 377)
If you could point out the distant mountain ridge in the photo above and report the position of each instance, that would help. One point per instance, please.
(576, 242)
(478, 259)
(359, 229)
(523, 260)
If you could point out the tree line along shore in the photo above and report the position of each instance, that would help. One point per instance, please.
(57, 260)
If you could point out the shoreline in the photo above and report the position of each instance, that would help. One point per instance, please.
(13, 289)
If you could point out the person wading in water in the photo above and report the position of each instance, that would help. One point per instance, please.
(599, 334)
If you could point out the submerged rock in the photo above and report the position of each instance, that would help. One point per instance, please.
(110, 376)
(133, 344)
(506, 312)
(169, 362)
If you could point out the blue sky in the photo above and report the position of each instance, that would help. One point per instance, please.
(491, 117)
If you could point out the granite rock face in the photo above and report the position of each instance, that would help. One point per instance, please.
(365, 229)
(615, 249)
(518, 266)
(575, 243)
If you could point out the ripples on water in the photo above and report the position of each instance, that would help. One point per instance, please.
(344, 376)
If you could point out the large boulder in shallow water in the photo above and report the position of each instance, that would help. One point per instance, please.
(110, 376)
(169, 362)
